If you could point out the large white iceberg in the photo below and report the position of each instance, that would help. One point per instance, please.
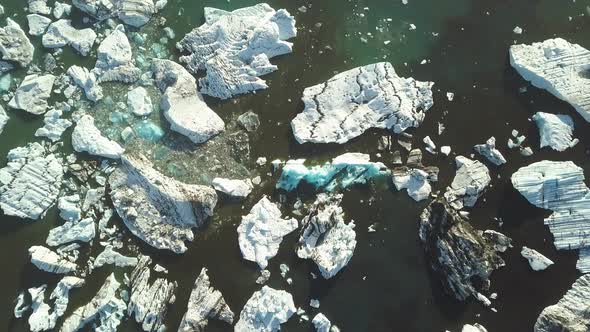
(32, 94)
(350, 103)
(265, 311)
(325, 238)
(570, 313)
(556, 130)
(234, 48)
(344, 171)
(557, 66)
(87, 138)
(159, 210)
(30, 182)
(261, 232)
(233, 188)
(183, 105)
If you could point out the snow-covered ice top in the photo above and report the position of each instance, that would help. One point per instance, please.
(371, 96)
(344, 171)
(261, 232)
(558, 67)
(265, 311)
(234, 48)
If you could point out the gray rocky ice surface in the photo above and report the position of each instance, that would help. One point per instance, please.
(457, 253)
(204, 303)
(558, 67)
(570, 313)
(159, 210)
(350, 103)
(470, 181)
(61, 33)
(265, 311)
(261, 232)
(105, 310)
(325, 238)
(183, 105)
(556, 130)
(49, 261)
(15, 45)
(489, 151)
(234, 48)
(87, 138)
(149, 301)
(32, 94)
(30, 182)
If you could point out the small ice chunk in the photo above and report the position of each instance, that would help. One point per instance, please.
(537, 261)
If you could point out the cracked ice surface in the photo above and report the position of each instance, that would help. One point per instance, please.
(30, 182)
(234, 48)
(350, 103)
(558, 67)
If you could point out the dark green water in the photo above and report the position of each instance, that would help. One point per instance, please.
(467, 57)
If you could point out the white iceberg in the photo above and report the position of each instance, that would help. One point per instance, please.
(49, 261)
(32, 94)
(356, 100)
(536, 260)
(556, 130)
(234, 48)
(261, 232)
(62, 33)
(110, 256)
(37, 24)
(54, 125)
(265, 311)
(87, 138)
(79, 231)
(139, 102)
(3, 118)
(15, 45)
(415, 180)
(488, 150)
(471, 179)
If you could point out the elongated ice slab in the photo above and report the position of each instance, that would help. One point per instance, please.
(87, 138)
(350, 103)
(234, 48)
(344, 171)
(557, 66)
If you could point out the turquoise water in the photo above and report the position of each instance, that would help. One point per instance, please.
(386, 286)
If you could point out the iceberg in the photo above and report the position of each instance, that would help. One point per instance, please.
(47, 260)
(556, 130)
(204, 303)
(570, 313)
(234, 48)
(79, 231)
(233, 188)
(15, 45)
(110, 256)
(321, 323)
(558, 67)
(62, 33)
(32, 94)
(87, 138)
(40, 319)
(345, 170)
(3, 118)
(159, 210)
(261, 232)
(37, 24)
(352, 102)
(139, 102)
(536, 260)
(265, 311)
(325, 238)
(30, 182)
(471, 180)
(132, 12)
(54, 125)
(488, 150)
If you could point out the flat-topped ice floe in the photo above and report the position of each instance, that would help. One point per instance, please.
(344, 171)
(87, 138)
(558, 186)
(536, 260)
(62, 33)
(558, 67)
(488, 150)
(262, 230)
(37, 24)
(54, 126)
(570, 313)
(325, 238)
(350, 103)
(114, 59)
(183, 105)
(471, 179)
(110, 256)
(233, 188)
(30, 182)
(234, 48)
(32, 94)
(265, 311)
(80, 231)
(105, 310)
(15, 45)
(204, 303)
(556, 130)
(159, 210)
(49, 261)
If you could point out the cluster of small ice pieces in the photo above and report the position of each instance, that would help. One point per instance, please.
(325, 238)
(234, 48)
(261, 232)
(350, 103)
(266, 310)
(558, 67)
(345, 170)
(559, 186)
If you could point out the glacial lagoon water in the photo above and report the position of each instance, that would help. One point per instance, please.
(386, 286)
